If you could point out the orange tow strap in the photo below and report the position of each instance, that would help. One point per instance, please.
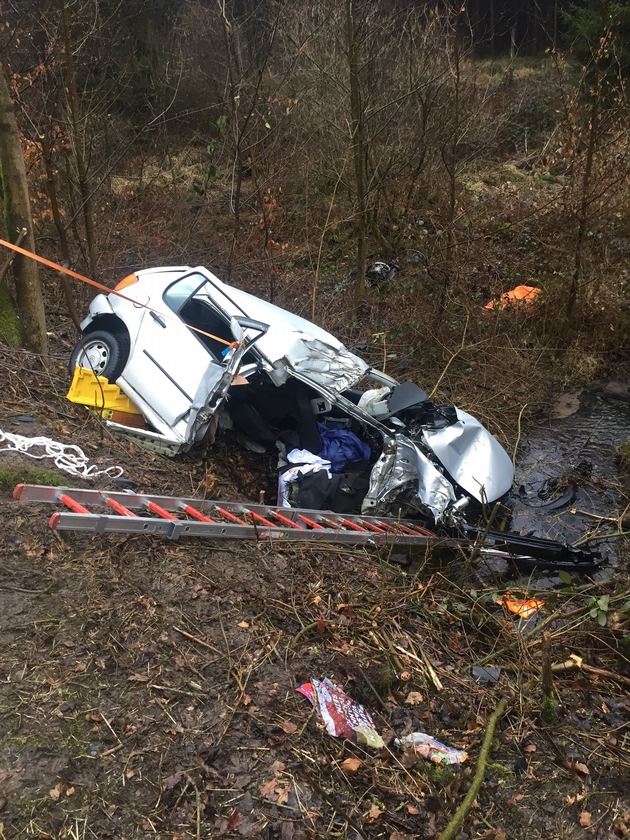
(103, 288)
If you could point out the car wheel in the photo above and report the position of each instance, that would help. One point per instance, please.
(102, 352)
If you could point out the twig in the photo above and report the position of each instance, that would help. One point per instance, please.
(424, 661)
(460, 814)
(306, 629)
(196, 639)
(378, 697)
(576, 662)
(3, 271)
(198, 804)
(452, 359)
(518, 436)
(110, 751)
(174, 690)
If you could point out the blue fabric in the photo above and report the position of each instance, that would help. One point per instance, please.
(340, 446)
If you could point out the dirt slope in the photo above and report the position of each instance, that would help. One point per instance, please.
(147, 688)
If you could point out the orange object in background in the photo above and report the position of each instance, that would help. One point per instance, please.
(520, 295)
(522, 607)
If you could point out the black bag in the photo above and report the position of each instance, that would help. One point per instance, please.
(342, 493)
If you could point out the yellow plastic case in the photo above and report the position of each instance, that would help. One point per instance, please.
(96, 392)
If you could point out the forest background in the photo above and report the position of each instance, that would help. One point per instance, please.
(288, 145)
(147, 687)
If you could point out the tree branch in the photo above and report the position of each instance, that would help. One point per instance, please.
(458, 817)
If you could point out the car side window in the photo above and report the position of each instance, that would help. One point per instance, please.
(181, 298)
(178, 293)
(188, 299)
(198, 314)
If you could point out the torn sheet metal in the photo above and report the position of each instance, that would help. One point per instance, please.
(470, 454)
(332, 367)
(404, 472)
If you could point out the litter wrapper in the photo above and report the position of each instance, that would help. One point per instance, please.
(428, 747)
(522, 607)
(343, 716)
(519, 296)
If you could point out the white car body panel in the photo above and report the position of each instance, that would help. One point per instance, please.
(475, 459)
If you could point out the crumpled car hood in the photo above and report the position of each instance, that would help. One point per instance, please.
(471, 456)
(333, 367)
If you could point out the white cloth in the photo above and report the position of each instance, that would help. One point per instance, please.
(305, 463)
(370, 400)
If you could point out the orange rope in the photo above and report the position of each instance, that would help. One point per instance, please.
(103, 288)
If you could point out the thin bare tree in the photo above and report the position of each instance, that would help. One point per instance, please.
(17, 214)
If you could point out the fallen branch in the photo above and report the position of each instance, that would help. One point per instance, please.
(458, 817)
(197, 640)
(306, 629)
(576, 662)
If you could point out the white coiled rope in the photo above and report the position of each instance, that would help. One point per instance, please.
(67, 456)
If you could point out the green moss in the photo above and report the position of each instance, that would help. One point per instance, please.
(548, 709)
(499, 771)
(5, 195)
(622, 455)
(386, 680)
(439, 775)
(10, 476)
(10, 328)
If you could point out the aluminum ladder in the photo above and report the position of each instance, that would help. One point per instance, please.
(174, 517)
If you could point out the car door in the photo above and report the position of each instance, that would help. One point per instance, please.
(168, 365)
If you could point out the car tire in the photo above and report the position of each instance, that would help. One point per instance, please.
(102, 352)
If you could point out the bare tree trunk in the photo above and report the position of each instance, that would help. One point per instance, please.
(582, 212)
(233, 59)
(51, 185)
(450, 156)
(17, 215)
(358, 148)
(78, 139)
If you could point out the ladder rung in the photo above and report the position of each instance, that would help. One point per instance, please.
(371, 526)
(310, 522)
(330, 523)
(121, 509)
(196, 514)
(285, 520)
(230, 516)
(159, 511)
(70, 503)
(259, 519)
(353, 525)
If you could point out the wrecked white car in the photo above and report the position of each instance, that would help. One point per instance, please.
(195, 355)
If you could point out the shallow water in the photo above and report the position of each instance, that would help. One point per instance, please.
(566, 475)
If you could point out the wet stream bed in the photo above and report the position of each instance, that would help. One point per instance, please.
(567, 483)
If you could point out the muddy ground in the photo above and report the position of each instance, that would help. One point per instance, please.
(147, 688)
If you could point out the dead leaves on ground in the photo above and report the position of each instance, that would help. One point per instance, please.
(351, 765)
